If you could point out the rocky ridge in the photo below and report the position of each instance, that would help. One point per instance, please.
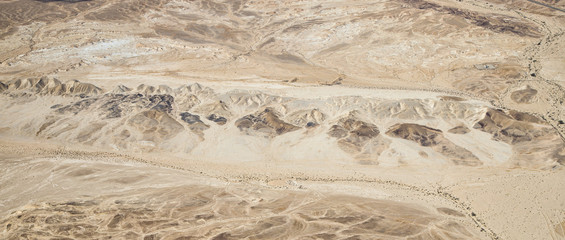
(367, 130)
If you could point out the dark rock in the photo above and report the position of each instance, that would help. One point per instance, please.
(116, 220)
(516, 133)
(451, 212)
(3, 87)
(505, 128)
(451, 98)
(354, 127)
(525, 117)
(430, 137)
(493, 22)
(311, 124)
(337, 131)
(117, 105)
(353, 134)
(423, 135)
(459, 130)
(189, 118)
(217, 119)
(114, 112)
(80, 203)
(194, 122)
(267, 121)
(493, 120)
(361, 128)
(245, 122)
(162, 102)
(77, 106)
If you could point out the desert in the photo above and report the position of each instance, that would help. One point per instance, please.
(259, 119)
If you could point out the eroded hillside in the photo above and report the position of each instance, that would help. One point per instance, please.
(196, 121)
(407, 119)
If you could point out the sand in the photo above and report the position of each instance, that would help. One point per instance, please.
(205, 119)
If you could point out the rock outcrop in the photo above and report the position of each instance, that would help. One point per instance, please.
(358, 137)
(52, 86)
(461, 129)
(433, 138)
(266, 122)
(505, 128)
(191, 115)
(194, 122)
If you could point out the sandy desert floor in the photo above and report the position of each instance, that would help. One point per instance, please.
(258, 119)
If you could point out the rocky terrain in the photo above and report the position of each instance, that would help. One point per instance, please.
(407, 119)
(160, 207)
(196, 121)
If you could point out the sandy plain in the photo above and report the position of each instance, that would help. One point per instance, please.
(381, 119)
